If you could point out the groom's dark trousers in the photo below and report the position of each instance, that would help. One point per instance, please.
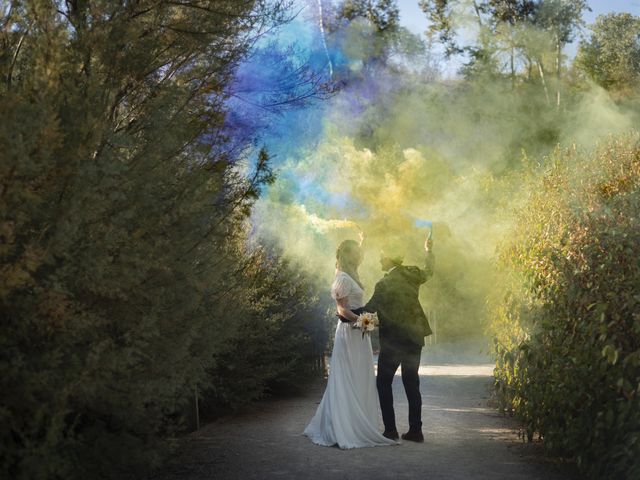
(403, 326)
(388, 362)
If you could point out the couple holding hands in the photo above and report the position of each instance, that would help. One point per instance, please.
(348, 413)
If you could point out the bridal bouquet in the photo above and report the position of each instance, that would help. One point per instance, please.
(366, 322)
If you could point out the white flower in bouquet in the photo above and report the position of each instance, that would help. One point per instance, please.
(366, 322)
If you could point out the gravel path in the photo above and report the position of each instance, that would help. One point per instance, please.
(464, 439)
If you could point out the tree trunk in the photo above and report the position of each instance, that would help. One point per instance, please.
(323, 37)
(544, 82)
(558, 68)
(476, 8)
(14, 59)
(513, 68)
(528, 61)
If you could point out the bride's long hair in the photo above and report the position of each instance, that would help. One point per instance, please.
(346, 261)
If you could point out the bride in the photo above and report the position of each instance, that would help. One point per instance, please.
(348, 413)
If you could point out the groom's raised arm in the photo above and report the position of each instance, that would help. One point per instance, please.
(427, 272)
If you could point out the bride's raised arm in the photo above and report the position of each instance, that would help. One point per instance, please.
(427, 271)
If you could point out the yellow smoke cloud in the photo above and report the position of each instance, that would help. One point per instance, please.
(322, 225)
(465, 179)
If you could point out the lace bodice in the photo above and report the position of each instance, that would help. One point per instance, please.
(345, 286)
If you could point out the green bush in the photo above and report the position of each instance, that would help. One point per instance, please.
(567, 331)
(280, 329)
(123, 261)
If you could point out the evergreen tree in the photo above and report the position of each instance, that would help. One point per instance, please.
(122, 237)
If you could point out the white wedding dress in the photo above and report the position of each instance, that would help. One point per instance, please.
(348, 413)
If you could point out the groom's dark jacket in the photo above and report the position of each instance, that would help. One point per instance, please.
(395, 299)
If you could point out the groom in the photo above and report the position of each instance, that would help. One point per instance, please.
(403, 326)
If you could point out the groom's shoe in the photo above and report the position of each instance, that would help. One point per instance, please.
(413, 436)
(393, 434)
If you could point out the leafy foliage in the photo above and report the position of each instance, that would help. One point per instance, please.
(279, 331)
(611, 56)
(384, 14)
(367, 36)
(122, 228)
(568, 329)
(522, 38)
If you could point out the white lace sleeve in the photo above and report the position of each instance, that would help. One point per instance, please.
(341, 286)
